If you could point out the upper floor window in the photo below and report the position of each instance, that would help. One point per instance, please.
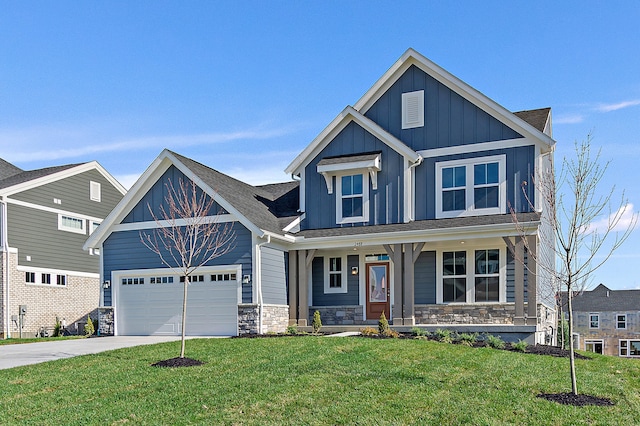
(351, 190)
(594, 321)
(621, 321)
(71, 224)
(335, 280)
(413, 109)
(471, 187)
(95, 191)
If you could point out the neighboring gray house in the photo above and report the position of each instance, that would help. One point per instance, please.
(606, 321)
(401, 205)
(46, 215)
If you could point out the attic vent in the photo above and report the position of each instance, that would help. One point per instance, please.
(413, 109)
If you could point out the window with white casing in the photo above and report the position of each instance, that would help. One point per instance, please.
(630, 348)
(487, 275)
(594, 320)
(335, 277)
(413, 109)
(353, 198)
(471, 276)
(471, 187)
(95, 191)
(454, 276)
(71, 224)
(621, 321)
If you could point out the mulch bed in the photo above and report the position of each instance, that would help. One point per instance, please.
(177, 362)
(579, 400)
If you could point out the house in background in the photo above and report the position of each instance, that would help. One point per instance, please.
(606, 321)
(46, 215)
(401, 206)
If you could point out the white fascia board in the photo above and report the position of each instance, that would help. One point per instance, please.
(348, 115)
(411, 57)
(477, 147)
(53, 177)
(365, 164)
(429, 236)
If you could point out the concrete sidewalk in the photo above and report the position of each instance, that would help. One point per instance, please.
(33, 353)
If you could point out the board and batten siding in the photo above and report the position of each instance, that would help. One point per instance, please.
(124, 250)
(511, 280)
(156, 197)
(320, 298)
(35, 233)
(385, 204)
(519, 167)
(273, 276)
(449, 119)
(425, 278)
(73, 192)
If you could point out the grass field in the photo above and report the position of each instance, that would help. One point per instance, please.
(316, 380)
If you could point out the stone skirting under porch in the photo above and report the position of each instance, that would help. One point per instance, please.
(275, 318)
(338, 315)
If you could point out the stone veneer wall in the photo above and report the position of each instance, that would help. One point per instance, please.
(71, 303)
(275, 318)
(499, 313)
(338, 315)
(105, 321)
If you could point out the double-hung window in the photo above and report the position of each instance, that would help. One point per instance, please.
(454, 276)
(621, 321)
(335, 276)
(351, 197)
(470, 187)
(594, 321)
(487, 285)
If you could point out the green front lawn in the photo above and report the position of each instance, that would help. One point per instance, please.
(315, 380)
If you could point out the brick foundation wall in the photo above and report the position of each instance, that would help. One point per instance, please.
(71, 303)
(275, 318)
(338, 315)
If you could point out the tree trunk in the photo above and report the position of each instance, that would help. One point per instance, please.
(572, 358)
(184, 314)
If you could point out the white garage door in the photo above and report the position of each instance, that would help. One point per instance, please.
(152, 305)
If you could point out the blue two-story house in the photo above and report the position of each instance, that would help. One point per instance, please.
(402, 204)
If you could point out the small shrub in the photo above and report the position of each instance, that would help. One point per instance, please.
(443, 335)
(57, 329)
(317, 322)
(391, 333)
(418, 332)
(368, 331)
(89, 328)
(521, 346)
(494, 342)
(292, 329)
(383, 324)
(467, 339)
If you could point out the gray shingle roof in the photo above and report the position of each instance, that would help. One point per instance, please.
(348, 159)
(29, 175)
(603, 299)
(7, 169)
(264, 206)
(536, 117)
(419, 225)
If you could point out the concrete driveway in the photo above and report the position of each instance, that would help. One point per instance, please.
(33, 353)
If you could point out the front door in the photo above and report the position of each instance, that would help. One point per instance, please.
(378, 290)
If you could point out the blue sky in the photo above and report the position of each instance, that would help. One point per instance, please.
(244, 86)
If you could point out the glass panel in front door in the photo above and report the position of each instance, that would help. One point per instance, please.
(377, 283)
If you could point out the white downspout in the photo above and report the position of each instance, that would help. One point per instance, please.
(259, 281)
(5, 275)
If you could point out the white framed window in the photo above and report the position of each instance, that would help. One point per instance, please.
(413, 109)
(621, 321)
(487, 275)
(352, 200)
(95, 191)
(61, 280)
(629, 348)
(335, 277)
(45, 278)
(469, 187)
(30, 277)
(93, 225)
(71, 224)
(471, 275)
(594, 320)
(595, 346)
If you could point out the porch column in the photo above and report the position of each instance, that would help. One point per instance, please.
(395, 254)
(305, 257)
(410, 256)
(532, 281)
(519, 281)
(293, 287)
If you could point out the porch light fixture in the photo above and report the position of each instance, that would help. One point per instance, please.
(106, 284)
(354, 270)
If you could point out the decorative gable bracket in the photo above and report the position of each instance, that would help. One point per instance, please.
(335, 166)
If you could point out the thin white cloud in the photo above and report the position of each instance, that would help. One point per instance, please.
(617, 106)
(54, 144)
(625, 215)
(569, 119)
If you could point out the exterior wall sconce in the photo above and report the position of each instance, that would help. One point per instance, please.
(246, 279)
(354, 270)
(106, 284)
